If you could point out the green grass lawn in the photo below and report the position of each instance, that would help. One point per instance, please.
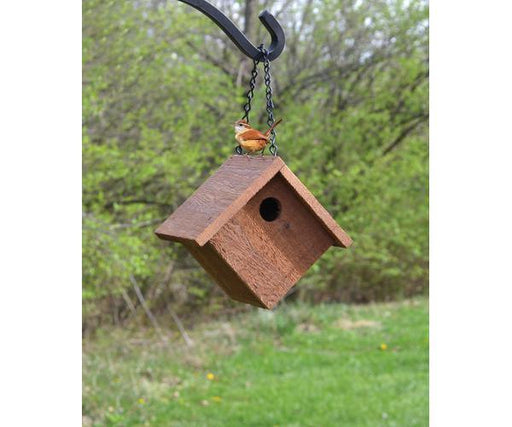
(326, 365)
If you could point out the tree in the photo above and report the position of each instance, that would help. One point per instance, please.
(162, 85)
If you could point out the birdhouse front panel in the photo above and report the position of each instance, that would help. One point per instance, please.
(255, 228)
(272, 241)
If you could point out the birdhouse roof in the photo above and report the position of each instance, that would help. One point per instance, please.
(228, 190)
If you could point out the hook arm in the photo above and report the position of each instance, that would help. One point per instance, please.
(239, 38)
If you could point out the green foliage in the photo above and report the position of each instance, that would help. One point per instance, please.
(326, 365)
(162, 85)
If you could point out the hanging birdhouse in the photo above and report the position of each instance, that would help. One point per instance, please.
(255, 228)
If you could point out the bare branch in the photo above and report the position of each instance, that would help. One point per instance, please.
(150, 315)
(404, 133)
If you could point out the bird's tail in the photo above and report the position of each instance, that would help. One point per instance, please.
(267, 133)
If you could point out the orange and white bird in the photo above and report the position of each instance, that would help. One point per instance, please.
(252, 140)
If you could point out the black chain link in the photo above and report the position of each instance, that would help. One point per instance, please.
(270, 103)
(268, 96)
(250, 96)
(250, 92)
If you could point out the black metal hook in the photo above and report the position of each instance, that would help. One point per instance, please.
(239, 38)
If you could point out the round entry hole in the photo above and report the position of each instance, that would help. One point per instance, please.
(270, 209)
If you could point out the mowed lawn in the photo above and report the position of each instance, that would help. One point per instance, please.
(300, 365)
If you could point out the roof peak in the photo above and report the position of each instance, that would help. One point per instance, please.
(228, 190)
(219, 198)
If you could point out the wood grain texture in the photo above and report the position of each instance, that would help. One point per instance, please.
(341, 238)
(224, 193)
(270, 257)
(253, 260)
(222, 273)
(220, 197)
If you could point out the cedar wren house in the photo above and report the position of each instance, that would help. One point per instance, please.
(255, 228)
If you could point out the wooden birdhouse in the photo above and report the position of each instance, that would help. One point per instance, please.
(255, 228)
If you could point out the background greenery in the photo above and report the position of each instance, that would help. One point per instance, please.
(162, 85)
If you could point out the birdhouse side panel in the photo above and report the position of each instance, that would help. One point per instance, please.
(222, 273)
(272, 254)
(268, 279)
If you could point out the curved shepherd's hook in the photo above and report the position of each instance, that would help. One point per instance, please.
(237, 37)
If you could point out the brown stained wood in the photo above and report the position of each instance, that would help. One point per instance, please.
(223, 194)
(219, 198)
(222, 273)
(270, 257)
(253, 260)
(341, 238)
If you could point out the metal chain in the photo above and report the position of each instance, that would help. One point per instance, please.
(250, 96)
(250, 92)
(270, 103)
(268, 96)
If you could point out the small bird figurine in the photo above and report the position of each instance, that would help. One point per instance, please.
(252, 140)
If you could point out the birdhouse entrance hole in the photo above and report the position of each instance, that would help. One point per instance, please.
(270, 209)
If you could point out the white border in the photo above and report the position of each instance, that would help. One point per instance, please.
(40, 318)
(470, 212)
(40, 237)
